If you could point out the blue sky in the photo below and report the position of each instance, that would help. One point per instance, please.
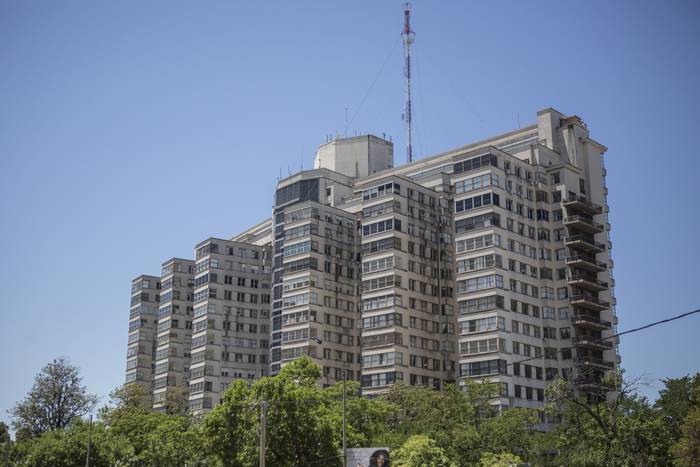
(129, 131)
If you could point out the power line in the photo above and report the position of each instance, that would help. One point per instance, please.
(629, 331)
(371, 86)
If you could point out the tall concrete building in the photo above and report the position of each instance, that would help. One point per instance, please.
(174, 331)
(143, 318)
(489, 261)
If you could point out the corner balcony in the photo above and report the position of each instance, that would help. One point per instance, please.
(581, 204)
(584, 243)
(589, 383)
(591, 303)
(589, 263)
(590, 322)
(589, 283)
(594, 363)
(584, 224)
(592, 343)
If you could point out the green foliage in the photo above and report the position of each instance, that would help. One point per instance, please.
(421, 451)
(422, 427)
(56, 399)
(687, 449)
(678, 398)
(68, 448)
(499, 460)
(509, 433)
(124, 401)
(4, 433)
(623, 430)
(306, 430)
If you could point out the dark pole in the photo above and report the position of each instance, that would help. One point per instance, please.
(7, 453)
(87, 455)
(345, 456)
(263, 431)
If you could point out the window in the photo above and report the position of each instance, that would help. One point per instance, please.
(468, 204)
(381, 190)
(481, 346)
(556, 178)
(475, 163)
(477, 222)
(297, 248)
(470, 184)
(479, 263)
(378, 264)
(382, 359)
(382, 226)
(476, 305)
(480, 283)
(482, 325)
(389, 319)
(380, 302)
(381, 379)
(477, 243)
(381, 245)
(488, 367)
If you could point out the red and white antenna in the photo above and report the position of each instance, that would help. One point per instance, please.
(408, 36)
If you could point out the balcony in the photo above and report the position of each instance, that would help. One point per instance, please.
(590, 322)
(589, 362)
(592, 303)
(584, 243)
(588, 383)
(584, 224)
(591, 343)
(581, 204)
(589, 283)
(589, 263)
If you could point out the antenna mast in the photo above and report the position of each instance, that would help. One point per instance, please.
(408, 36)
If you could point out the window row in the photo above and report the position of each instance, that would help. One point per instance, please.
(487, 199)
(475, 183)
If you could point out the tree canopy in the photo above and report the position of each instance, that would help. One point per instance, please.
(420, 426)
(56, 399)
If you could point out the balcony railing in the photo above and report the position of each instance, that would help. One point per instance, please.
(584, 242)
(586, 262)
(586, 341)
(595, 362)
(584, 223)
(587, 282)
(592, 321)
(589, 302)
(582, 204)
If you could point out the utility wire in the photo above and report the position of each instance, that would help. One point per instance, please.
(629, 331)
(376, 78)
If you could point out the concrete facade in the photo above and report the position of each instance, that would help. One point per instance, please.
(488, 261)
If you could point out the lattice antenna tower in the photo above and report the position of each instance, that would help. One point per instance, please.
(408, 38)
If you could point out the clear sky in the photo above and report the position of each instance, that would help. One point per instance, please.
(129, 131)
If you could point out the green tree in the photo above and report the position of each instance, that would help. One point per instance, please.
(4, 433)
(160, 440)
(421, 451)
(511, 433)
(622, 430)
(447, 417)
(302, 428)
(56, 400)
(366, 419)
(687, 449)
(124, 401)
(68, 448)
(502, 459)
(678, 397)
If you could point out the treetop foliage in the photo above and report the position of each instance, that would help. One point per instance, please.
(421, 426)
